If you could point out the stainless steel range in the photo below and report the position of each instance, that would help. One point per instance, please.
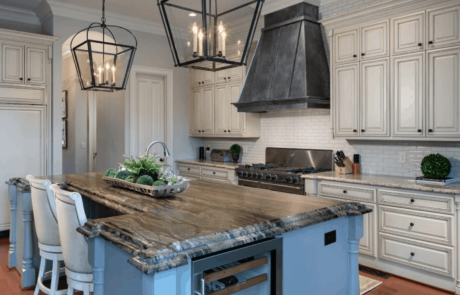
(283, 169)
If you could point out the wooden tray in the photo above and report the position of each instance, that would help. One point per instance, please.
(153, 191)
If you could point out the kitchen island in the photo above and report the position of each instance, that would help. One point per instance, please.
(149, 245)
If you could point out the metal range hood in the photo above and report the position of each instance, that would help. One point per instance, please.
(289, 69)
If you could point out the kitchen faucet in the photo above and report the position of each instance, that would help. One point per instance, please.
(165, 148)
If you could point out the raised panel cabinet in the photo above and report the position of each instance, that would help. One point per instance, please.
(346, 46)
(207, 110)
(374, 98)
(346, 94)
(195, 112)
(408, 73)
(221, 110)
(236, 120)
(374, 40)
(443, 93)
(196, 78)
(444, 27)
(408, 33)
(12, 63)
(35, 66)
(230, 75)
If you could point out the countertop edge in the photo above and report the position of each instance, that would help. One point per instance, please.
(223, 165)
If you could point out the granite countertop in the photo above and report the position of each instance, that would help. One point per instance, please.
(225, 165)
(164, 233)
(386, 181)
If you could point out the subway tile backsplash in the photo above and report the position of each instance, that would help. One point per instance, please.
(313, 129)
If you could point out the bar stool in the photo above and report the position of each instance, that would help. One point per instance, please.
(70, 216)
(48, 235)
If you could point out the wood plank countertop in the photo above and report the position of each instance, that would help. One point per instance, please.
(208, 217)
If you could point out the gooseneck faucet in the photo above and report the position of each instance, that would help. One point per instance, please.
(165, 148)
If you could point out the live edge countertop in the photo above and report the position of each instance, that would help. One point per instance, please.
(224, 165)
(386, 181)
(161, 234)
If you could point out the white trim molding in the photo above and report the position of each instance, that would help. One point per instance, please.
(168, 76)
(275, 5)
(10, 35)
(19, 15)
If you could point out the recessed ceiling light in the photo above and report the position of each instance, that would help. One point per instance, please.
(192, 14)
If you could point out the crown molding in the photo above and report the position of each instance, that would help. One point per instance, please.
(11, 35)
(79, 12)
(275, 5)
(19, 15)
(383, 10)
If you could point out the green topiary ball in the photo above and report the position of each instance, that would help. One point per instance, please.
(130, 178)
(145, 180)
(435, 166)
(123, 174)
(159, 183)
(110, 173)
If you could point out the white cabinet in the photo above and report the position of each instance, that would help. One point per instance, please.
(444, 27)
(230, 75)
(221, 110)
(202, 111)
(374, 40)
(205, 172)
(408, 33)
(346, 93)
(201, 78)
(443, 93)
(346, 46)
(408, 76)
(23, 64)
(236, 120)
(374, 98)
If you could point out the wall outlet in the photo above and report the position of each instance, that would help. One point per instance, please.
(83, 145)
(402, 157)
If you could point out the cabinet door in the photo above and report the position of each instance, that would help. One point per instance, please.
(207, 78)
(221, 106)
(35, 66)
(236, 74)
(408, 95)
(346, 100)
(195, 111)
(367, 244)
(374, 98)
(13, 63)
(221, 76)
(443, 93)
(346, 46)
(236, 120)
(444, 27)
(374, 41)
(207, 111)
(408, 33)
(196, 78)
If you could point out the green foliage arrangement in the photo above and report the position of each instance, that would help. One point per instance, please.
(123, 174)
(435, 166)
(145, 180)
(110, 173)
(145, 165)
(235, 148)
(130, 178)
(159, 183)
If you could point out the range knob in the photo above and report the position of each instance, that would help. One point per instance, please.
(250, 174)
(274, 177)
(240, 173)
(245, 174)
(260, 175)
(268, 177)
(296, 180)
(289, 179)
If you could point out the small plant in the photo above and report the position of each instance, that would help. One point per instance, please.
(159, 183)
(130, 178)
(110, 173)
(145, 165)
(235, 148)
(123, 174)
(145, 180)
(435, 166)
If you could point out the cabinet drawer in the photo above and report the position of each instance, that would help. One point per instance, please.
(429, 257)
(209, 172)
(189, 169)
(348, 192)
(419, 201)
(416, 224)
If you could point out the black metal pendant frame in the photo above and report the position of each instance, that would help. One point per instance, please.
(94, 86)
(205, 15)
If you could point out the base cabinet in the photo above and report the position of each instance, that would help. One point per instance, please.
(205, 172)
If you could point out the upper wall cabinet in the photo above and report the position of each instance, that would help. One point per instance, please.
(346, 93)
(23, 64)
(346, 46)
(374, 40)
(408, 33)
(202, 78)
(444, 27)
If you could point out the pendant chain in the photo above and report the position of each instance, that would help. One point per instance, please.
(103, 12)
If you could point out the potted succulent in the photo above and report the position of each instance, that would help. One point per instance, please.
(235, 151)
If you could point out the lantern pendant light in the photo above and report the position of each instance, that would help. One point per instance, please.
(210, 35)
(101, 62)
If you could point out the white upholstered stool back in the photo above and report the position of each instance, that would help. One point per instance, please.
(71, 215)
(44, 214)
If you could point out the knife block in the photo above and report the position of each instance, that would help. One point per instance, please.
(345, 170)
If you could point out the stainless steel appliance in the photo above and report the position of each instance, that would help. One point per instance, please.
(283, 169)
(221, 155)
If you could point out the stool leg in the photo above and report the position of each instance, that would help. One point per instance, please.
(40, 274)
(54, 276)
